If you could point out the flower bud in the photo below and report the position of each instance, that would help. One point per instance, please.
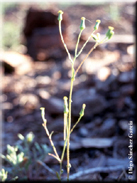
(96, 37)
(82, 110)
(61, 171)
(60, 12)
(29, 137)
(42, 111)
(21, 137)
(68, 165)
(65, 104)
(97, 24)
(110, 32)
(82, 25)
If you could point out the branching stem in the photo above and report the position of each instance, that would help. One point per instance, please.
(84, 44)
(96, 44)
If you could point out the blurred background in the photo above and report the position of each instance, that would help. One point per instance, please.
(36, 73)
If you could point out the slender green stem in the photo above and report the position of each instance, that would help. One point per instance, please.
(85, 44)
(103, 40)
(69, 123)
(69, 130)
(70, 100)
(67, 140)
(76, 49)
(96, 44)
(62, 156)
(65, 46)
(75, 124)
(51, 142)
(65, 124)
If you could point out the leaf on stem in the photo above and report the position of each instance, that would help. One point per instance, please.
(58, 176)
(51, 134)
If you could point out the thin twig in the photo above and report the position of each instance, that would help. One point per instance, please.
(75, 124)
(96, 170)
(65, 46)
(78, 42)
(96, 44)
(52, 144)
(85, 44)
(122, 175)
(69, 125)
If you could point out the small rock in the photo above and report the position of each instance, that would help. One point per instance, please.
(94, 103)
(128, 101)
(114, 94)
(119, 102)
(104, 85)
(91, 65)
(53, 105)
(43, 94)
(97, 121)
(126, 77)
(19, 63)
(108, 127)
(64, 84)
(43, 80)
(73, 145)
(103, 73)
(123, 124)
(131, 50)
(127, 89)
(115, 161)
(108, 124)
(83, 132)
(97, 142)
(7, 105)
(29, 101)
(41, 33)
(56, 125)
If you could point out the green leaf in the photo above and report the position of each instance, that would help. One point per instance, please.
(21, 137)
(3, 175)
(20, 157)
(58, 176)
(2, 156)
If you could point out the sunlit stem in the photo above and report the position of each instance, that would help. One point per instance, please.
(69, 122)
(62, 156)
(51, 142)
(65, 124)
(84, 44)
(78, 42)
(65, 46)
(103, 40)
(76, 124)
(96, 44)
